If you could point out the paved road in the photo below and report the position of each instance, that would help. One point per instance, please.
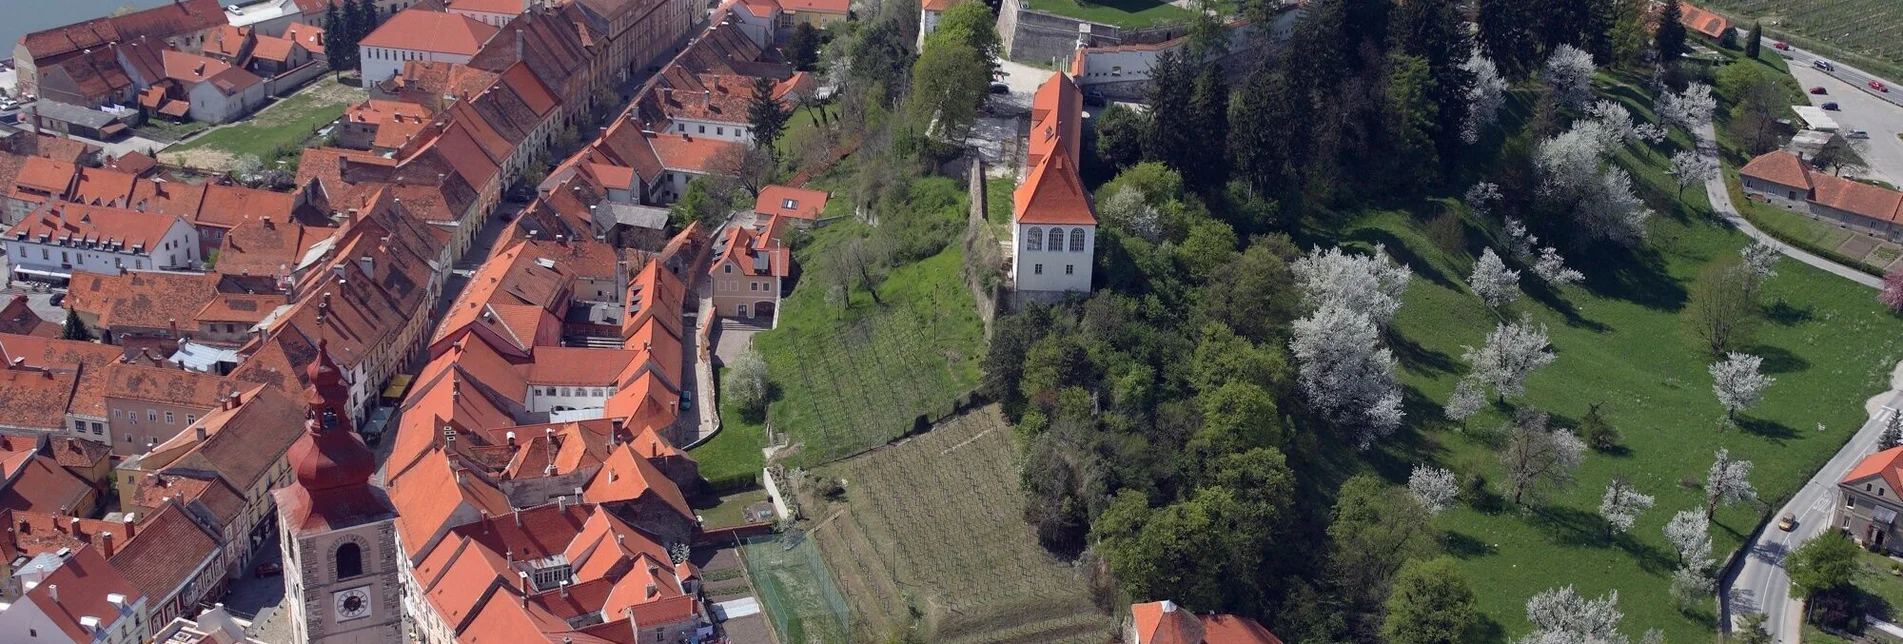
(1841, 71)
(1760, 584)
(1862, 110)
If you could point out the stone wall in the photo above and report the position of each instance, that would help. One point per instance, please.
(984, 262)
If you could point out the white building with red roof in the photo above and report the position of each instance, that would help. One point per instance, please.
(84, 601)
(1164, 622)
(417, 34)
(1054, 229)
(52, 243)
(1870, 504)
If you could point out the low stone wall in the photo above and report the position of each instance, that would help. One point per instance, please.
(984, 262)
(288, 82)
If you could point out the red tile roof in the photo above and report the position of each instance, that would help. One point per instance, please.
(1862, 199)
(88, 359)
(102, 187)
(36, 398)
(627, 476)
(168, 385)
(42, 485)
(310, 37)
(16, 317)
(420, 30)
(78, 452)
(823, 6)
(1164, 622)
(166, 554)
(1053, 194)
(804, 204)
(46, 175)
(224, 206)
(1778, 167)
(191, 69)
(96, 224)
(145, 299)
(1887, 464)
(697, 155)
(83, 583)
(1702, 21)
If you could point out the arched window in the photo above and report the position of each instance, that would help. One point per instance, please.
(1057, 239)
(1076, 240)
(1034, 240)
(349, 560)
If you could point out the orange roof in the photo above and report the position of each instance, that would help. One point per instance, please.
(1702, 21)
(42, 485)
(83, 583)
(1232, 629)
(191, 69)
(225, 206)
(88, 358)
(613, 176)
(686, 153)
(46, 175)
(1778, 167)
(1887, 464)
(822, 6)
(1053, 194)
(1164, 622)
(36, 399)
(798, 203)
(310, 37)
(98, 186)
(938, 5)
(137, 231)
(272, 49)
(760, 8)
(1056, 120)
(227, 41)
(575, 366)
(511, 7)
(240, 308)
(18, 318)
(419, 30)
(1859, 198)
(628, 476)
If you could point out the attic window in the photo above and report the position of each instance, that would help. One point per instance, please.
(789, 204)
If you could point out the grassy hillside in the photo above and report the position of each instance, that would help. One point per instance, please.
(934, 525)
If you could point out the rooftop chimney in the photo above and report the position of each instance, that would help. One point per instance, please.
(369, 264)
(200, 430)
(105, 543)
(518, 517)
(53, 591)
(131, 519)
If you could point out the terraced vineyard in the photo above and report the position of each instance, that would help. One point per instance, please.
(1866, 33)
(918, 516)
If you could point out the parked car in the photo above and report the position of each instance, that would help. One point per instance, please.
(268, 570)
(1823, 65)
(1000, 88)
(1819, 90)
(1858, 134)
(1830, 106)
(1787, 522)
(687, 400)
(1781, 45)
(1878, 85)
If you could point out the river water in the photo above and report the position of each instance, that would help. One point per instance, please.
(22, 17)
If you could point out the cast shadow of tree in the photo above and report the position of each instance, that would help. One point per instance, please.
(1464, 546)
(1539, 291)
(1778, 360)
(1782, 313)
(1421, 359)
(1634, 275)
(1568, 526)
(1399, 250)
(1770, 430)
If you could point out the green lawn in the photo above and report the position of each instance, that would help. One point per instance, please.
(1620, 342)
(1127, 14)
(732, 458)
(280, 128)
(1860, 32)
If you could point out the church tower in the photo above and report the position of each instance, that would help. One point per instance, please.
(337, 529)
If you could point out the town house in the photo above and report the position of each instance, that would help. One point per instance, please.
(1868, 503)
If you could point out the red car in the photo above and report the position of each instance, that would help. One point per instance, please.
(269, 570)
(1818, 90)
(1781, 45)
(1878, 85)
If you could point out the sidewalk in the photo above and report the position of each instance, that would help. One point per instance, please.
(1721, 203)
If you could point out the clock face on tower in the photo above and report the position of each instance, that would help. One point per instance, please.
(352, 603)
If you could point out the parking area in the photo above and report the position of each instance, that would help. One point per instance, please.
(1861, 110)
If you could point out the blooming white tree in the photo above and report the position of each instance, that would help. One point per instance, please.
(746, 380)
(1536, 455)
(1520, 242)
(1727, 482)
(1690, 109)
(1513, 351)
(1690, 535)
(1739, 382)
(1652, 636)
(1345, 372)
(1493, 281)
(1615, 122)
(1434, 487)
(1468, 397)
(1622, 505)
(1650, 133)
(1368, 284)
(1761, 257)
(1131, 210)
(1569, 73)
(1484, 98)
(1551, 268)
(1690, 168)
(1574, 173)
(1691, 587)
(1481, 197)
(1561, 616)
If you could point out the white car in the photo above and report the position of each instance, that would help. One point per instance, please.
(1858, 134)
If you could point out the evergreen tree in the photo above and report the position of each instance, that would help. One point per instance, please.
(1264, 123)
(1435, 32)
(1120, 132)
(1505, 38)
(74, 329)
(1670, 40)
(1172, 138)
(802, 48)
(1411, 159)
(1209, 114)
(1892, 435)
(765, 114)
(1564, 22)
(336, 54)
(1754, 40)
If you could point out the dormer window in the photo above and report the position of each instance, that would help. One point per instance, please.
(789, 204)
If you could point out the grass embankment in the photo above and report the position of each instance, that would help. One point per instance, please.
(1127, 14)
(918, 514)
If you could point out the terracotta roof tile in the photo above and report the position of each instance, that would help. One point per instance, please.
(442, 33)
(626, 476)
(78, 452)
(225, 206)
(1053, 194)
(36, 398)
(147, 299)
(17, 318)
(165, 385)
(793, 202)
(84, 581)
(88, 359)
(46, 175)
(37, 533)
(1862, 199)
(823, 6)
(96, 224)
(697, 155)
(165, 553)
(99, 186)
(43, 486)
(1778, 167)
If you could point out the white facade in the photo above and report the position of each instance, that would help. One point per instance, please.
(178, 249)
(757, 28)
(927, 23)
(212, 106)
(720, 130)
(1053, 257)
(380, 63)
(543, 399)
(491, 18)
